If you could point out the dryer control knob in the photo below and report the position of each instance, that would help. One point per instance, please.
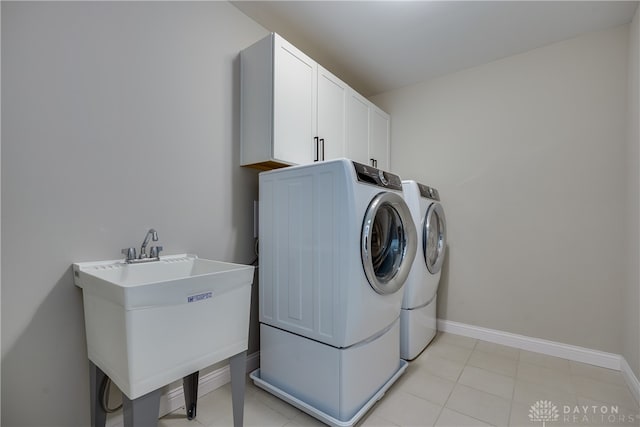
(383, 179)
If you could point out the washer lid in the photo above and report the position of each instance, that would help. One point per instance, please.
(388, 244)
(434, 237)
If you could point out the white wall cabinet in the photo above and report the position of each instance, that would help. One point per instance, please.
(357, 145)
(379, 134)
(277, 104)
(294, 103)
(332, 107)
(367, 132)
(294, 111)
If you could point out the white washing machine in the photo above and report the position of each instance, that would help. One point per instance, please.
(418, 315)
(336, 245)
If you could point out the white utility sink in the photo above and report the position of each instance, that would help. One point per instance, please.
(150, 324)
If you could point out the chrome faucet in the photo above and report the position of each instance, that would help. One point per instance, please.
(151, 234)
(154, 253)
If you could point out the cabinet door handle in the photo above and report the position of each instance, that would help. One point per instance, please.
(317, 148)
(376, 161)
(322, 142)
(373, 162)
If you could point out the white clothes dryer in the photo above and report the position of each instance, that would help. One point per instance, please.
(336, 245)
(418, 315)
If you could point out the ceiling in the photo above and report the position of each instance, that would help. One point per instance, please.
(376, 46)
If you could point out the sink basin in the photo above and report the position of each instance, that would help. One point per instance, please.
(153, 323)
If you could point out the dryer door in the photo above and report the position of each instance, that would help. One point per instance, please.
(434, 237)
(388, 244)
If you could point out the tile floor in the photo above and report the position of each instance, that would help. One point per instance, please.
(457, 381)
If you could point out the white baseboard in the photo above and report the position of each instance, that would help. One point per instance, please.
(551, 348)
(630, 378)
(173, 399)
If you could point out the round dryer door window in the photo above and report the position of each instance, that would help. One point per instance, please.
(434, 237)
(388, 243)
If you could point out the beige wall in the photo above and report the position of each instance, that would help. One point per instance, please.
(631, 327)
(528, 153)
(116, 117)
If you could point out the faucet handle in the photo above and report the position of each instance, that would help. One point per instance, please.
(155, 251)
(130, 253)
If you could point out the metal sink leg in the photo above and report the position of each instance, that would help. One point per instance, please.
(98, 415)
(238, 365)
(190, 387)
(142, 411)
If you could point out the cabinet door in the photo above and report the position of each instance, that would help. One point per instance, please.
(332, 109)
(379, 137)
(294, 104)
(357, 143)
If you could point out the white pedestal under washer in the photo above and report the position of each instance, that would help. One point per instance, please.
(336, 245)
(418, 315)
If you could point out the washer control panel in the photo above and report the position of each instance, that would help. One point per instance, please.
(375, 176)
(429, 192)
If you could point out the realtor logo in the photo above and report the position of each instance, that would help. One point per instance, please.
(544, 411)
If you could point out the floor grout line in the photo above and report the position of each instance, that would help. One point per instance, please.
(513, 393)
